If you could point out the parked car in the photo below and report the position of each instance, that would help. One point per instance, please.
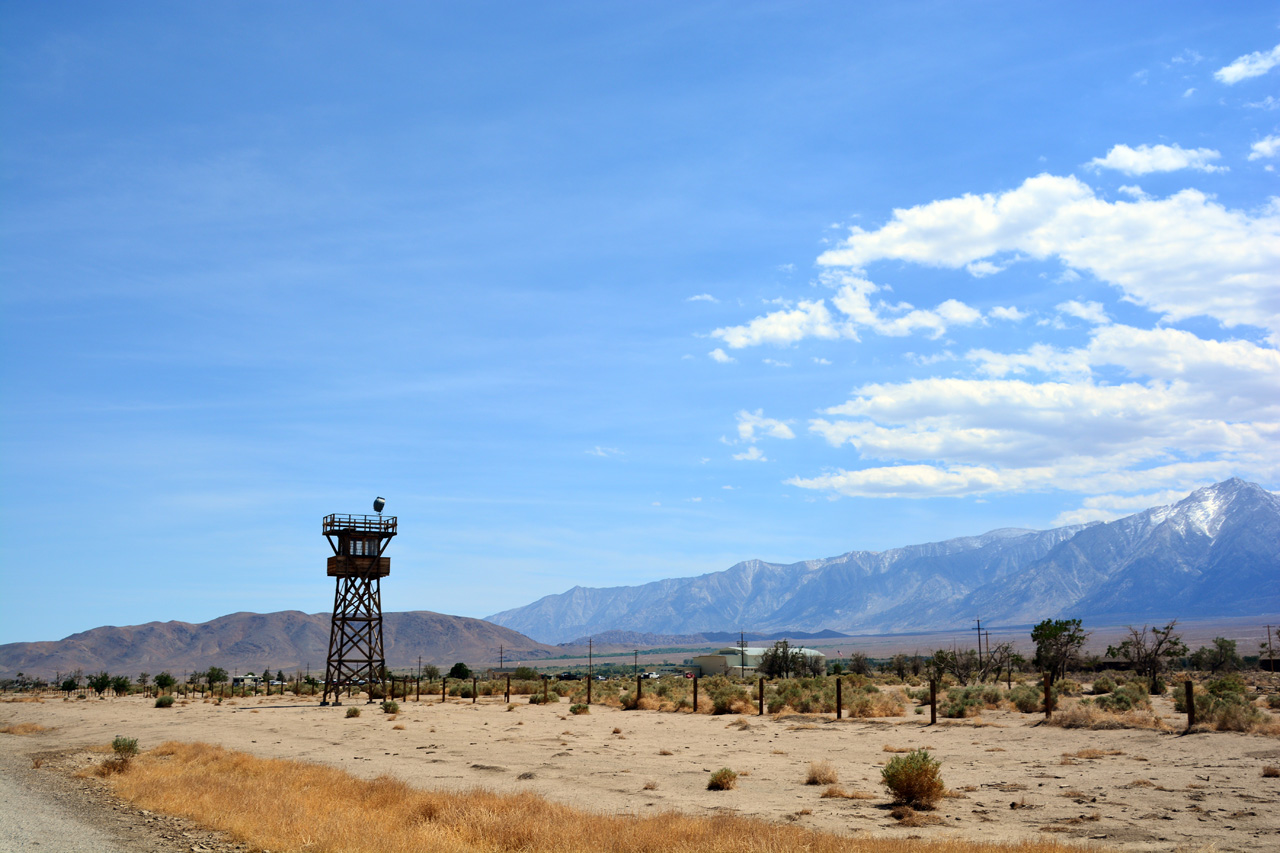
(568, 676)
(688, 675)
(651, 675)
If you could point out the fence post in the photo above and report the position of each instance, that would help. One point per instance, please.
(1191, 704)
(695, 694)
(762, 695)
(933, 701)
(545, 679)
(444, 689)
(474, 690)
(1048, 696)
(588, 689)
(639, 690)
(508, 693)
(839, 699)
(417, 689)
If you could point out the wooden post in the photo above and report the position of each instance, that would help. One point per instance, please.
(544, 689)
(1191, 704)
(474, 690)
(762, 695)
(508, 693)
(695, 694)
(417, 689)
(933, 701)
(839, 699)
(1048, 696)
(639, 690)
(588, 688)
(444, 689)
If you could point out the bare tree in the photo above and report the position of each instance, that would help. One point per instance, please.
(1150, 651)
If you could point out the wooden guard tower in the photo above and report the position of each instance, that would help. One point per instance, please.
(355, 635)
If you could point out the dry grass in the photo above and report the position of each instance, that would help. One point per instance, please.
(1271, 772)
(836, 792)
(907, 816)
(888, 748)
(292, 806)
(822, 773)
(723, 779)
(23, 699)
(1092, 753)
(650, 786)
(1077, 716)
(23, 729)
(665, 752)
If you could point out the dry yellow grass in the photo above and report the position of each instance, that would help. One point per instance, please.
(291, 806)
(822, 773)
(23, 729)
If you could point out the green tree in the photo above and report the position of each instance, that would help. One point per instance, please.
(525, 673)
(100, 682)
(72, 681)
(1150, 651)
(120, 684)
(460, 670)
(1058, 644)
(143, 679)
(780, 661)
(280, 675)
(165, 681)
(1220, 657)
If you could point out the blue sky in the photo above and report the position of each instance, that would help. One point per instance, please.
(604, 293)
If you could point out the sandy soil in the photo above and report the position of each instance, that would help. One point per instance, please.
(1154, 791)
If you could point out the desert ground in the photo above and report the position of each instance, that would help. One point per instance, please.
(1011, 777)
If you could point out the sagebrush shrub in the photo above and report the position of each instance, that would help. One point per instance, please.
(579, 708)
(125, 747)
(914, 779)
(390, 707)
(723, 779)
(164, 701)
(822, 773)
(353, 712)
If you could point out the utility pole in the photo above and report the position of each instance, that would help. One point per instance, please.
(979, 621)
(501, 655)
(635, 666)
(742, 653)
(589, 643)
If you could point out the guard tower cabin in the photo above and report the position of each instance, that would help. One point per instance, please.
(358, 542)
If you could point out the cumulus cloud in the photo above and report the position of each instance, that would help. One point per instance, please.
(1111, 507)
(1268, 147)
(751, 454)
(604, 451)
(754, 425)
(1157, 158)
(1010, 313)
(1182, 256)
(1091, 312)
(720, 356)
(1250, 65)
(806, 320)
(702, 297)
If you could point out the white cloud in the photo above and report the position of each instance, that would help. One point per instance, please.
(702, 297)
(1268, 147)
(1010, 313)
(1157, 158)
(1091, 312)
(721, 356)
(1250, 65)
(753, 425)
(982, 269)
(775, 363)
(1132, 191)
(1111, 507)
(1189, 92)
(1270, 102)
(807, 320)
(1182, 256)
(1187, 56)
(604, 451)
(821, 361)
(751, 454)
(694, 500)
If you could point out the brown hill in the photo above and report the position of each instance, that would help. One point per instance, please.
(288, 640)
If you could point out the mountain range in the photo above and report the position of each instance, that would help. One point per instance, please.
(1215, 553)
(289, 640)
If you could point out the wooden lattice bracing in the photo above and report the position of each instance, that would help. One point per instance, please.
(355, 635)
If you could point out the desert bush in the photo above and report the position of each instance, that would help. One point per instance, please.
(124, 747)
(165, 701)
(1273, 701)
(1102, 684)
(1027, 699)
(538, 699)
(723, 779)
(877, 704)
(914, 779)
(579, 708)
(1067, 687)
(353, 712)
(390, 707)
(1087, 715)
(822, 773)
(1126, 697)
